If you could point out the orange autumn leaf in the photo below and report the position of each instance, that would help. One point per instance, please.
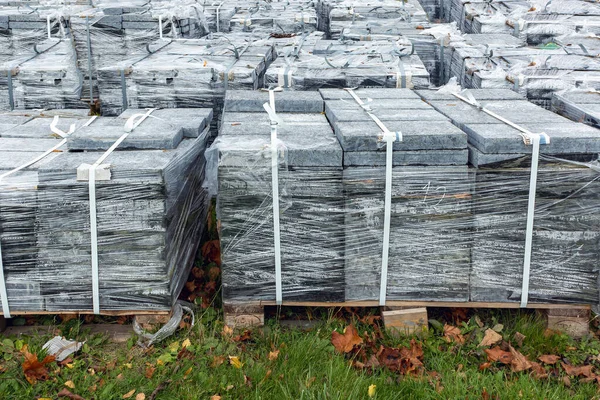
(34, 369)
(344, 343)
(491, 337)
(211, 251)
(497, 354)
(519, 361)
(549, 359)
(273, 355)
(583, 370)
(452, 334)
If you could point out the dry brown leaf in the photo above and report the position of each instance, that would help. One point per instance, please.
(227, 331)
(566, 381)
(150, 372)
(538, 371)
(583, 370)
(34, 369)
(491, 337)
(140, 396)
(217, 360)
(519, 337)
(346, 342)
(485, 366)
(485, 395)
(273, 355)
(496, 354)
(519, 362)
(452, 334)
(128, 394)
(244, 337)
(211, 251)
(71, 396)
(70, 384)
(215, 397)
(549, 359)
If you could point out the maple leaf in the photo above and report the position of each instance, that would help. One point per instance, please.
(519, 362)
(66, 393)
(346, 342)
(584, 370)
(549, 359)
(496, 354)
(34, 369)
(491, 337)
(452, 334)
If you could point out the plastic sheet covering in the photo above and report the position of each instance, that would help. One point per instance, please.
(581, 105)
(350, 64)
(38, 66)
(276, 17)
(149, 215)
(185, 73)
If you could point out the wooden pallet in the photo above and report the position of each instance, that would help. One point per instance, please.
(410, 316)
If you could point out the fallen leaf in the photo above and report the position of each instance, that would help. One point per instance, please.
(273, 355)
(519, 362)
(485, 395)
(150, 372)
(371, 391)
(215, 397)
(491, 337)
(186, 343)
(140, 396)
(519, 337)
(583, 370)
(485, 366)
(346, 342)
(217, 360)
(452, 334)
(66, 393)
(538, 371)
(227, 331)
(478, 321)
(70, 384)
(498, 328)
(128, 394)
(229, 387)
(566, 381)
(310, 381)
(549, 359)
(244, 337)
(93, 388)
(235, 361)
(34, 369)
(128, 365)
(496, 354)
(247, 381)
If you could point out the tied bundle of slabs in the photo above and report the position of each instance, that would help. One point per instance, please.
(336, 15)
(578, 105)
(429, 249)
(38, 65)
(276, 18)
(482, 16)
(350, 64)
(185, 73)
(310, 198)
(105, 37)
(565, 246)
(150, 206)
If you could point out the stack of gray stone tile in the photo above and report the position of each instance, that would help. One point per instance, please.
(578, 105)
(149, 210)
(565, 233)
(350, 64)
(277, 18)
(310, 197)
(431, 195)
(185, 73)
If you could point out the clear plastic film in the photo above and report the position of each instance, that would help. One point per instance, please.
(581, 105)
(277, 18)
(150, 209)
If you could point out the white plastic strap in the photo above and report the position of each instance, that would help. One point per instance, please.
(389, 138)
(3, 291)
(160, 27)
(130, 125)
(48, 27)
(270, 108)
(535, 156)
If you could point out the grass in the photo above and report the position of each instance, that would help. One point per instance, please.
(306, 367)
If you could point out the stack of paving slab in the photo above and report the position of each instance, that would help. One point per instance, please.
(429, 256)
(337, 64)
(149, 202)
(38, 69)
(566, 226)
(310, 199)
(482, 16)
(276, 18)
(578, 105)
(185, 73)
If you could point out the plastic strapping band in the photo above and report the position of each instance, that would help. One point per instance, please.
(270, 108)
(160, 27)
(89, 56)
(124, 90)
(48, 27)
(218, 16)
(534, 139)
(11, 95)
(3, 291)
(389, 138)
(130, 125)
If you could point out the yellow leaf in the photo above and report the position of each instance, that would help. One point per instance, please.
(160, 362)
(215, 397)
(129, 394)
(186, 373)
(173, 347)
(70, 365)
(44, 398)
(186, 343)
(235, 361)
(70, 384)
(273, 355)
(227, 331)
(140, 396)
(371, 391)
(128, 365)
